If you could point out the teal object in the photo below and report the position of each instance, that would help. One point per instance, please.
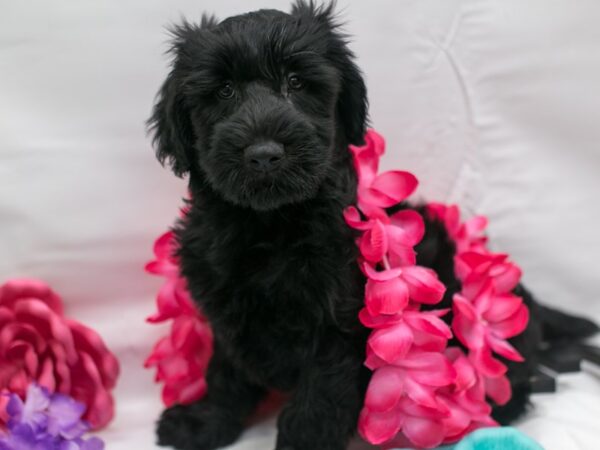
(501, 438)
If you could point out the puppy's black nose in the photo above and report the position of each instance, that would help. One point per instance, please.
(264, 156)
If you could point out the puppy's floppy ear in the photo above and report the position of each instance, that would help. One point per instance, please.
(352, 103)
(170, 123)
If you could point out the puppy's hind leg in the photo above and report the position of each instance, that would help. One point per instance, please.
(216, 420)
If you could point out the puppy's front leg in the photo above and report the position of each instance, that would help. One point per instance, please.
(217, 419)
(323, 411)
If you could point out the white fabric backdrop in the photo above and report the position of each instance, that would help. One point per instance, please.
(493, 104)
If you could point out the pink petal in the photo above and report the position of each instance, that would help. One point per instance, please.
(464, 307)
(503, 306)
(465, 373)
(88, 389)
(512, 326)
(28, 288)
(376, 320)
(457, 422)
(374, 243)
(503, 348)
(452, 218)
(400, 256)
(429, 342)
(428, 323)
(162, 267)
(430, 368)
(382, 275)
(46, 377)
(385, 389)
(484, 298)
(366, 157)
(468, 262)
(420, 394)
(407, 227)
(486, 364)
(475, 225)
(507, 279)
(378, 427)
(192, 392)
(164, 246)
(422, 432)
(396, 185)
(424, 285)
(90, 342)
(375, 141)
(391, 343)
(436, 210)
(372, 361)
(47, 322)
(470, 334)
(498, 389)
(166, 301)
(386, 297)
(354, 220)
(410, 408)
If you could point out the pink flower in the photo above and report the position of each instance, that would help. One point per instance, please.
(467, 236)
(173, 298)
(394, 236)
(402, 396)
(383, 190)
(465, 400)
(389, 291)
(38, 344)
(485, 322)
(419, 425)
(421, 392)
(474, 269)
(395, 335)
(181, 358)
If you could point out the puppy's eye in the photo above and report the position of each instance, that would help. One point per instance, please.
(226, 91)
(295, 82)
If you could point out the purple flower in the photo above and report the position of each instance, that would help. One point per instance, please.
(46, 422)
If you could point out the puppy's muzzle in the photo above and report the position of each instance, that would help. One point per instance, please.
(264, 157)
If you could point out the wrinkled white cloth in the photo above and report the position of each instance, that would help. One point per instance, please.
(494, 104)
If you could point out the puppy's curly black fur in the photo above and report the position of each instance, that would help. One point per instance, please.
(259, 110)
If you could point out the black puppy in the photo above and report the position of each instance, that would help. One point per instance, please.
(259, 110)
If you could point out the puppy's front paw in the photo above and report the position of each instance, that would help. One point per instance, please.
(201, 426)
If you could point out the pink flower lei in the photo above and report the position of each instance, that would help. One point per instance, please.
(422, 392)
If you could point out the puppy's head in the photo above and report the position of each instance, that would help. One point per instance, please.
(258, 104)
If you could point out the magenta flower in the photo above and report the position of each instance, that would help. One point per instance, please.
(421, 392)
(412, 374)
(484, 323)
(173, 297)
(394, 236)
(465, 400)
(46, 422)
(474, 269)
(395, 335)
(181, 358)
(468, 235)
(376, 191)
(38, 344)
(401, 397)
(389, 291)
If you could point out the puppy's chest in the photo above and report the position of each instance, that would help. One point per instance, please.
(272, 318)
(279, 265)
(269, 294)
